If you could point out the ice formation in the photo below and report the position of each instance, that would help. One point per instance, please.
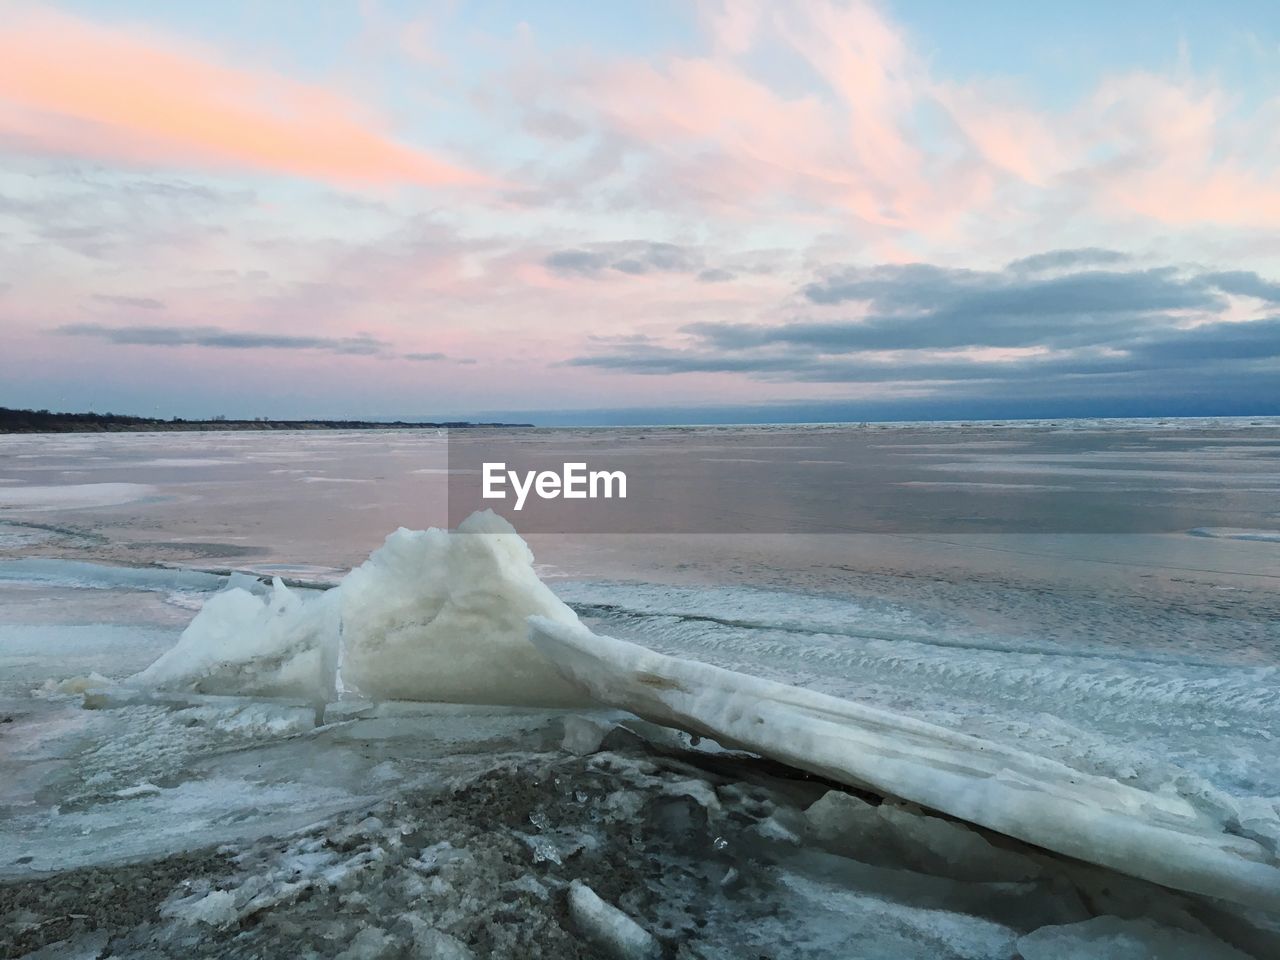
(1158, 837)
(282, 644)
(431, 615)
(434, 615)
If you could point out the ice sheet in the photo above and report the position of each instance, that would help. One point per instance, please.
(71, 496)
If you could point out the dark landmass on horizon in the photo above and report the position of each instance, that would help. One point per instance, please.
(43, 421)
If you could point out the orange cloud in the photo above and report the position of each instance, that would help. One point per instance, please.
(72, 87)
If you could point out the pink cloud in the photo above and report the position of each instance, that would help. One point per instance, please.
(1011, 137)
(72, 87)
(720, 133)
(1168, 149)
(858, 140)
(1181, 153)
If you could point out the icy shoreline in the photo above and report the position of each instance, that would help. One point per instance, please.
(250, 741)
(441, 616)
(536, 834)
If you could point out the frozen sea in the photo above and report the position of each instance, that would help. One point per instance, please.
(1145, 654)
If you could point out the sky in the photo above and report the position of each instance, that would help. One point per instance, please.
(576, 212)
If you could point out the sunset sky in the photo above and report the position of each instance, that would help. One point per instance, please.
(690, 210)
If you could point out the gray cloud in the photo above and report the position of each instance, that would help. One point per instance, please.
(937, 294)
(576, 261)
(140, 303)
(113, 217)
(1137, 330)
(919, 306)
(1067, 259)
(1245, 283)
(634, 257)
(437, 358)
(1254, 340)
(219, 338)
(1189, 349)
(716, 275)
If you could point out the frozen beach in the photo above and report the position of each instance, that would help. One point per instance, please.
(1037, 742)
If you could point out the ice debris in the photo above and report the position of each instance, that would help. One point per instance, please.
(283, 644)
(611, 930)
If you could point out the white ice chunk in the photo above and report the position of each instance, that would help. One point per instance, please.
(435, 615)
(73, 686)
(239, 580)
(1158, 837)
(371, 943)
(611, 930)
(283, 644)
(583, 735)
(1110, 938)
(139, 790)
(217, 909)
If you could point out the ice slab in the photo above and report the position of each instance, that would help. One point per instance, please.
(616, 934)
(1159, 837)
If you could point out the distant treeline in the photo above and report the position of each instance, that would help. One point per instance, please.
(43, 421)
